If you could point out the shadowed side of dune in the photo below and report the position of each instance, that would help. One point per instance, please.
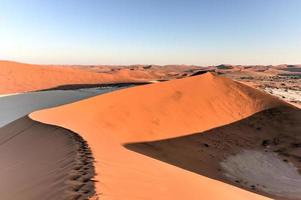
(98, 85)
(40, 161)
(272, 132)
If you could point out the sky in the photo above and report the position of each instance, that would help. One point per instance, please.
(200, 32)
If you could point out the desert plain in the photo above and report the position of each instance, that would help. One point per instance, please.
(150, 132)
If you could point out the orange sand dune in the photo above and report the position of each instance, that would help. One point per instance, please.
(18, 77)
(154, 112)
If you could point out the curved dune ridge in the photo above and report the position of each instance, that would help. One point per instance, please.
(19, 77)
(150, 113)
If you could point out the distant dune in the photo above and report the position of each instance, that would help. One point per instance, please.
(19, 77)
(136, 117)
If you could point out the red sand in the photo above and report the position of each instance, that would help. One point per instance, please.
(153, 112)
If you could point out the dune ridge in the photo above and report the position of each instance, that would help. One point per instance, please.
(154, 112)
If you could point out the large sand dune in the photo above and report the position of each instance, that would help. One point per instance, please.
(177, 108)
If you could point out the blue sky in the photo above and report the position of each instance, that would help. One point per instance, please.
(202, 32)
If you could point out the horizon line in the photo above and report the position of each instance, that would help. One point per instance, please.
(182, 64)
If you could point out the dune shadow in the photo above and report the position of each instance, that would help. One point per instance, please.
(275, 130)
(41, 161)
(99, 85)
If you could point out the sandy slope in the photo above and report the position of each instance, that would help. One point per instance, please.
(155, 112)
(19, 77)
(40, 161)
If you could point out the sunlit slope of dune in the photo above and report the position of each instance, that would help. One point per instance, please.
(153, 112)
(19, 77)
(169, 109)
